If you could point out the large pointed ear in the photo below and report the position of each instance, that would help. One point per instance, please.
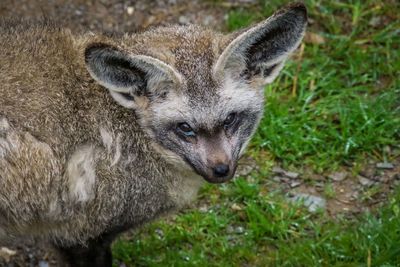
(258, 53)
(127, 76)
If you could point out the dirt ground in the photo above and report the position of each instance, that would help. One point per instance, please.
(116, 15)
(343, 191)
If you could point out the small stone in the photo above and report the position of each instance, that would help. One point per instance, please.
(313, 203)
(366, 173)
(230, 229)
(277, 178)
(239, 230)
(278, 170)
(385, 165)
(383, 179)
(314, 38)
(292, 175)
(231, 238)
(320, 189)
(43, 263)
(246, 166)
(338, 176)
(387, 150)
(208, 20)
(365, 181)
(203, 209)
(247, 1)
(130, 10)
(183, 20)
(285, 179)
(236, 207)
(160, 233)
(375, 21)
(294, 184)
(354, 195)
(7, 253)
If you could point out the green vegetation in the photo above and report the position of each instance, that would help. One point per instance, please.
(345, 103)
(245, 226)
(336, 102)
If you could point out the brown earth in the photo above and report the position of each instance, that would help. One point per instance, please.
(116, 15)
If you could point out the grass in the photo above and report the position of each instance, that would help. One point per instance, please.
(346, 101)
(344, 107)
(264, 230)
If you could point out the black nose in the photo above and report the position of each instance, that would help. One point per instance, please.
(221, 170)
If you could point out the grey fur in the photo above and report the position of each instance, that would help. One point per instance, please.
(75, 164)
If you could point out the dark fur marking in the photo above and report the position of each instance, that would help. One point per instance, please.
(128, 96)
(97, 251)
(112, 65)
(275, 41)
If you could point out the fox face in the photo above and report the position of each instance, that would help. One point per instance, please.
(198, 94)
(208, 133)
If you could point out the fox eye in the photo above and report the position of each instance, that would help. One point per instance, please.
(185, 129)
(230, 119)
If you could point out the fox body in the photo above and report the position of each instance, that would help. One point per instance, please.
(100, 134)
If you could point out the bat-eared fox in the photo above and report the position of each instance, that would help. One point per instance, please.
(100, 134)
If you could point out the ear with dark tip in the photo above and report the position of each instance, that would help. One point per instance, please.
(259, 52)
(127, 76)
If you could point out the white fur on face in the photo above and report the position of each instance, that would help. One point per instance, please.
(234, 95)
(81, 174)
(237, 95)
(175, 107)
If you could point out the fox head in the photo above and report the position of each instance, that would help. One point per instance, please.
(198, 94)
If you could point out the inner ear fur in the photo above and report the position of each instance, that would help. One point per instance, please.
(260, 51)
(128, 76)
